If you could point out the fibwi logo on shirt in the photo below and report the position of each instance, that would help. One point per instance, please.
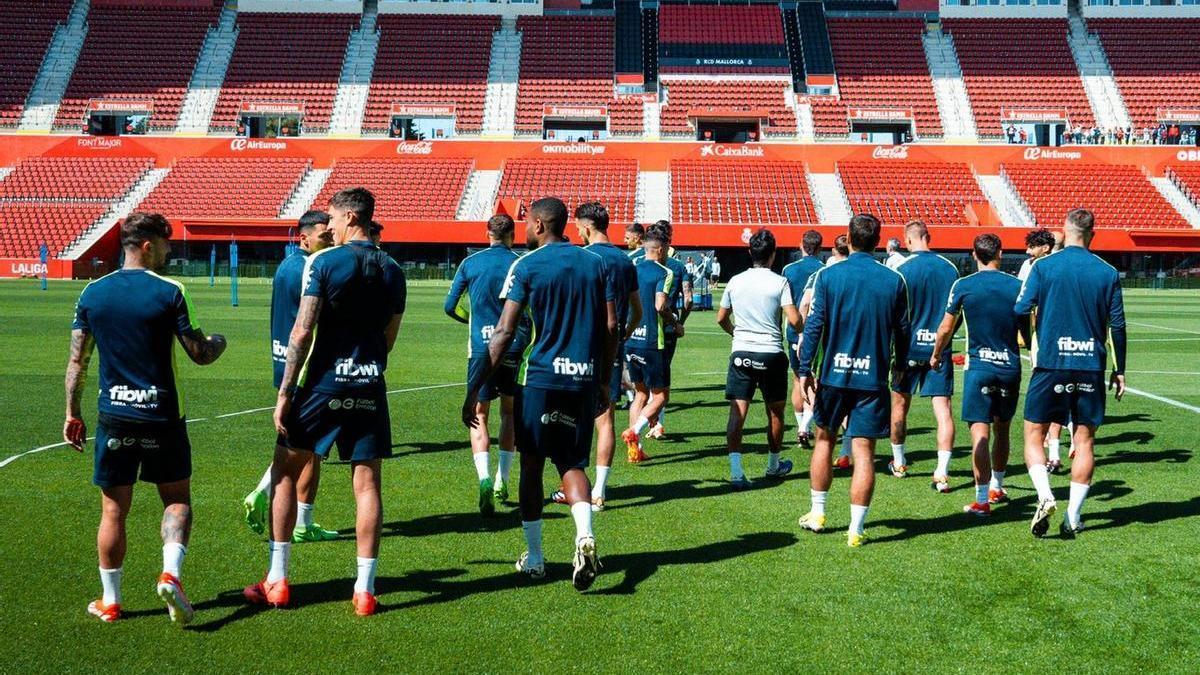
(925, 336)
(486, 332)
(989, 354)
(1069, 346)
(123, 394)
(846, 362)
(565, 366)
(640, 332)
(278, 349)
(348, 368)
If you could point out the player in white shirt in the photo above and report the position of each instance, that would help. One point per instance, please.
(894, 257)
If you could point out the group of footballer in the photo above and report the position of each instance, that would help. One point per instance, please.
(561, 334)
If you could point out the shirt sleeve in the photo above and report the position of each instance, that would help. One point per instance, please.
(667, 282)
(81, 314)
(1116, 326)
(1027, 298)
(399, 290)
(955, 300)
(516, 285)
(314, 281)
(184, 315)
(785, 294)
(814, 327)
(453, 303)
(727, 298)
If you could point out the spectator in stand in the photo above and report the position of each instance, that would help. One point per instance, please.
(1119, 136)
(1011, 131)
(1023, 136)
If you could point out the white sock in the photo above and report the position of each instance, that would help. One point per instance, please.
(506, 460)
(629, 395)
(304, 514)
(806, 421)
(173, 558)
(601, 481)
(582, 513)
(281, 554)
(735, 465)
(898, 458)
(1075, 505)
(943, 465)
(1041, 481)
(110, 580)
(1052, 450)
(799, 421)
(818, 502)
(533, 540)
(264, 484)
(772, 461)
(481, 465)
(858, 515)
(981, 494)
(997, 482)
(640, 425)
(366, 576)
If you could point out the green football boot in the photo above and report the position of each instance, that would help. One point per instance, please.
(255, 506)
(312, 533)
(486, 506)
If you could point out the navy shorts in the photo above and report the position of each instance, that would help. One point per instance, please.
(646, 366)
(358, 423)
(555, 425)
(869, 412)
(929, 381)
(160, 449)
(1063, 396)
(750, 371)
(503, 381)
(614, 380)
(988, 395)
(670, 342)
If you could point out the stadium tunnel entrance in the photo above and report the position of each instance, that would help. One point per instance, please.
(574, 123)
(882, 133)
(423, 122)
(118, 118)
(270, 120)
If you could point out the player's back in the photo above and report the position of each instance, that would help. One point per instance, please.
(286, 288)
(622, 274)
(1078, 298)
(652, 279)
(756, 297)
(563, 289)
(984, 299)
(859, 306)
(798, 273)
(483, 274)
(929, 277)
(134, 316)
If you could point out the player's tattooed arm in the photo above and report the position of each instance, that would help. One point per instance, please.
(82, 345)
(202, 349)
(300, 341)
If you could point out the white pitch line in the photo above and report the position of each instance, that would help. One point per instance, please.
(1166, 328)
(1178, 339)
(10, 460)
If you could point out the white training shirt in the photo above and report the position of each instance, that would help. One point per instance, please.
(757, 297)
(1025, 267)
(894, 260)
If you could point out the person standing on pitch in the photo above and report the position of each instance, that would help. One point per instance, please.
(481, 278)
(645, 355)
(752, 309)
(992, 370)
(315, 235)
(798, 273)
(333, 389)
(929, 277)
(1080, 310)
(1039, 244)
(133, 317)
(591, 220)
(563, 378)
(837, 254)
(679, 299)
(894, 257)
(859, 322)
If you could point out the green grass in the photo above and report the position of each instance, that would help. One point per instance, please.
(696, 577)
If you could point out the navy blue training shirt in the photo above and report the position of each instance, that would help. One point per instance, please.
(984, 299)
(134, 317)
(563, 290)
(929, 277)
(859, 315)
(622, 277)
(679, 274)
(285, 302)
(652, 279)
(349, 350)
(1079, 308)
(480, 277)
(798, 273)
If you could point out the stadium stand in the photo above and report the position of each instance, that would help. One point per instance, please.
(579, 75)
(650, 45)
(935, 192)
(405, 189)
(1187, 178)
(814, 36)
(1120, 196)
(727, 95)
(27, 28)
(252, 187)
(286, 58)
(721, 32)
(1020, 64)
(885, 72)
(611, 181)
(154, 67)
(740, 191)
(431, 59)
(74, 178)
(629, 36)
(25, 225)
(1156, 63)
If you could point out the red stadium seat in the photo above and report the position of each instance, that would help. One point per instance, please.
(74, 178)
(27, 28)
(746, 95)
(1156, 63)
(935, 192)
(405, 189)
(729, 26)
(25, 225)
(255, 187)
(1120, 196)
(752, 192)
(612, 182)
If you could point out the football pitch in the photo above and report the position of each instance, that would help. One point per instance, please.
(696, 577)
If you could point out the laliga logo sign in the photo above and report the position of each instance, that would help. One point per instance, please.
(730, 151)
(420, 148)
(893, 152)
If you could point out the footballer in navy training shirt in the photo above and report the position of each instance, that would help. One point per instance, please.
(798, 274)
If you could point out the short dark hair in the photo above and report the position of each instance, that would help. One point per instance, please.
(375, 228)
(762, 246)
(1082, 220)
(140, 227)
(841, 245)
(501, 225)
(811, 242)
(917, 226)
(636, 228)
(1039, 237)
(595, 213)
(658, 236)
(551, 211)
(864, 232)
(663, 227)
(311, 219)
(358, 201)
(987, 247)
